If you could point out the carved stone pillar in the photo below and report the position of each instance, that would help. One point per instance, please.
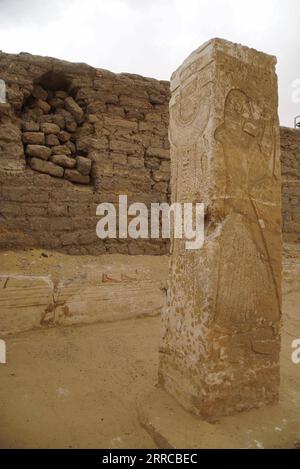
(220, 341)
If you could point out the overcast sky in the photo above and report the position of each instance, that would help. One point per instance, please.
(153, 37)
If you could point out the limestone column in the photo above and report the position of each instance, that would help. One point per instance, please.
(220, 342)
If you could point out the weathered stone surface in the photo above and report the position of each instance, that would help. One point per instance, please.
(160, 176)
(160, 414)
(49, 128)
(290, 167)
(75, 176)
(83, 165)
(135, 162)
(34, 138)
(61, 94)
(45, 118)
(64, 161)
(52, 140)
(46, 167)
(23, 301)
(61, 150)
(71, 125)
(38, 151)
(115, 107)
(9, 133)
(86, 290)
(71, 146)
(56, 103)
(5, 110)
(43, 106)
(59, 120)
(96, 90)
(39, 92)
(221, 330)
(74, 109)
(158, 152)
(64, 136)
(30, 126)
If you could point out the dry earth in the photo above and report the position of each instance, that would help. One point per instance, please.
(79, 386)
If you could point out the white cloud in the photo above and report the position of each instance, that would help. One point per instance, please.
(152, 37)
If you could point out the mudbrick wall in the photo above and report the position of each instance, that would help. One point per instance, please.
(290, 167)
(59, 117)
(72, 136)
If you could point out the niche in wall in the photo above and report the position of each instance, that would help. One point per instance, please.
(51, 118)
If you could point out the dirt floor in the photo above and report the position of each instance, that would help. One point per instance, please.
(78, 386)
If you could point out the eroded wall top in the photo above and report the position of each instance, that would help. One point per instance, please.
(123, 133)
(121, 128)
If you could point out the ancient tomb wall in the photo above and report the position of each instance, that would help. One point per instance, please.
(290, 168)
(114, 142)
(72, 136)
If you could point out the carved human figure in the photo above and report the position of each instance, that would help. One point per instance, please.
(244, 242)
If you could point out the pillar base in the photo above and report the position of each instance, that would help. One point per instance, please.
(270, 427)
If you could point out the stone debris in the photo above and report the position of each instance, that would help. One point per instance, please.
(53, 117)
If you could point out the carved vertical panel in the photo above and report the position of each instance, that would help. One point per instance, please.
(221, 331)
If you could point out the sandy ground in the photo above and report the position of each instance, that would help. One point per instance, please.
(78, 386)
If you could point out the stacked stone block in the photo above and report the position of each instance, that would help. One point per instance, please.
(50, 120)
(124, 134)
